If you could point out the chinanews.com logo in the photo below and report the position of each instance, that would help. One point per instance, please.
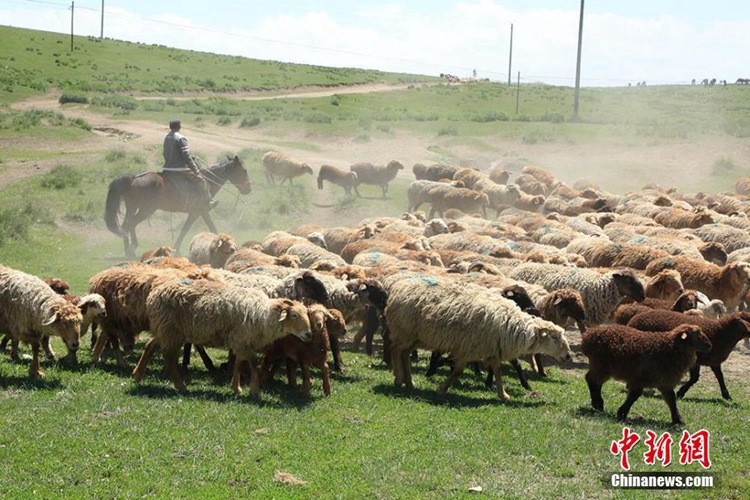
(692, 448)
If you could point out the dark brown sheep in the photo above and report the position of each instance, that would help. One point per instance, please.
(685, 302)
(641, 360)
(723, 334)
(329, 173)
(434, 172)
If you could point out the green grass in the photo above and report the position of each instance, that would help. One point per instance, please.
(368, 439)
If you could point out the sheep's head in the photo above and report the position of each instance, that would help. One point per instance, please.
(223, 247)
(287, 260)
(60, 287)
(317, 239)
(335, 324)
(736, 275)
(550, 339)
(686, 301)
(370, 291)
(666, 285)
(714, 252)
(63, 320)
(309, 286)
(692, 337)
(394, 165)
(568, 303)
(92, 304)
(293, 318)
(628, 284)
(436, 226)
(518, 295)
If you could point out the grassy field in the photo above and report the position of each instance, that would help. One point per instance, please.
(89, 431)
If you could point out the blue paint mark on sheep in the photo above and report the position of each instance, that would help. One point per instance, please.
(426, 280)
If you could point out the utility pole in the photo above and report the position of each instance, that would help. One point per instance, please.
(72, 10)
(101, 36)
(578, 65)
(518, 90)
(510, 56)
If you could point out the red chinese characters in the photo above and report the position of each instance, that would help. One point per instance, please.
(695, 448)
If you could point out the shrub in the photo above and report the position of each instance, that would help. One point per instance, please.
(80, 99)
(60, 177)
(224, 120)
(448, 131)
(723, 166)
(335, 100)
(115, 155)
(248, 122)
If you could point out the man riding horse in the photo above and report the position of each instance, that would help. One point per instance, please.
(181, 170)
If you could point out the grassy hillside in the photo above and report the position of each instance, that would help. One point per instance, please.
(34, 61)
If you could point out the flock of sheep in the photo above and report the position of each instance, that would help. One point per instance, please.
(655, 280)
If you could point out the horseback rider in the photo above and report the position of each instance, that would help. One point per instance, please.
(180, 168)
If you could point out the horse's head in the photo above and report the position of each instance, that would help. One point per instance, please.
(236, 173)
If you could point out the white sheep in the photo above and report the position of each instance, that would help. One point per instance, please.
(600, 292)
(470, 323)
(30, 309)
(210, 248)
(280, 165)
(214, 314)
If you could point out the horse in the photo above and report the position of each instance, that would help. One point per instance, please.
(148, 192)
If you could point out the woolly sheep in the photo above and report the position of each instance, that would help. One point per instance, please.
(30, 309)
(277, 243)
(280, 165)
(244, 258)
(310, 255)
(641, 360)
(345, 180)
(666, 285)
(163, 251)
(723, 334)
(468, 322)
(684, 302)
(379, 175)
(725, 283)
(214, 314)
(600, 292)
(434, 172)
(210, 248)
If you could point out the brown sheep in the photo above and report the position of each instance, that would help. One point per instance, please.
(665, 285)
(435, 172)
(379, 175)
(244, 258)
(742, 186)
(723, 335)
(466, 200)
(641, 360)
(346, 180)
(499, 174)
(686, 301)
(163, 251)
(725, 283)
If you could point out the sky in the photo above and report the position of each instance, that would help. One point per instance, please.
(624, 41)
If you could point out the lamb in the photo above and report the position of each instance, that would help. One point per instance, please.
(687, 301)
(30, 309)
(324, 323)
(280, 165)
(346, 180)
(641, 360)
(725, 283)
(93, 307)
(601, 293)
(469, 323)
(212, 249)
(214, 314)
(379, 175)
(723, 335)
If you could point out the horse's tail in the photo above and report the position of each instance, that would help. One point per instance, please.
(115, 193)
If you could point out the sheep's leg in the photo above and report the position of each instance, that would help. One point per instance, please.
(432, 368)
(206, 359)
(398, 372)
(633, 394)
(387, 347)
(671, 399)
(695, 373)
(384, 188)
(497, 370)
(254, 377)
(170, 362)
(336, 352)
(595, 390)
(489, 381)
(457, 371)
(237, 375)
(539, 367)
(720, 378)
(521, 375)
(140, 368)
(187, 348)
(325, 373)
(4, 343)
(101, 341)
(291, 373)
(368, 329)
(406, 367)
(14, 350)
(306, 379)
(34, 370)
(48, 348)
(356, 191)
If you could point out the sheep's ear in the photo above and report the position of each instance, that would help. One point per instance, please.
(557, 301)
(684, 336)
(329, 315)
(50, 319)
(362, 287)
(509, 293)
(282, 315)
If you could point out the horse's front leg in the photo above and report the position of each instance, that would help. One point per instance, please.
(209, 222)
(192, 217)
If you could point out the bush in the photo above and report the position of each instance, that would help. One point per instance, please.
(60, 177)
(15, 222)
(248, 122)
(448, 131)
(723, 166)
(114, 155)
(80, 99)
(224, 120)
